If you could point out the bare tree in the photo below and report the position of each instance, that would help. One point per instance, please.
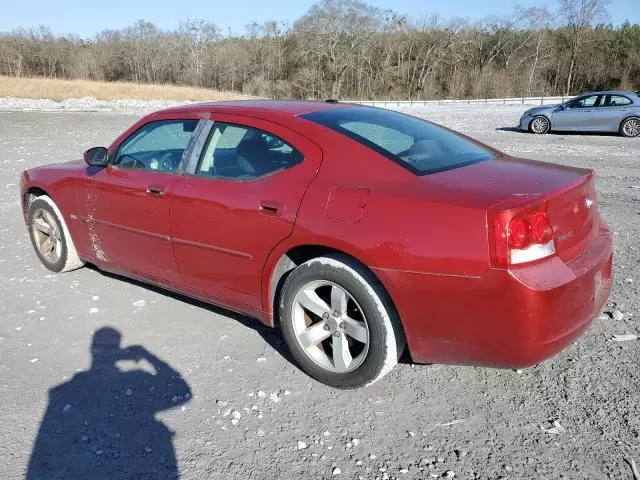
(579, 16)
(333, 34)
(349, 49)
(194, 40)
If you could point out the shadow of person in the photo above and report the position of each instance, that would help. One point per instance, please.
(101, 424)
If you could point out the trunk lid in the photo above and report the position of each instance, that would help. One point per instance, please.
(570, 192)
(574, 217)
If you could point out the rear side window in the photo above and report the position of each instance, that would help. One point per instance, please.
(417, 145)
(244, 153)
(615, 101)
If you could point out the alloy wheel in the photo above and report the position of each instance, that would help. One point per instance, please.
(330, 326)
(631, 128)
(539, 125)
(47, 235)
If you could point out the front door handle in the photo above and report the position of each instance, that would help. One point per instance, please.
(269, 207)
(155, 191)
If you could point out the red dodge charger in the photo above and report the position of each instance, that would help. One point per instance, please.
(358, 231)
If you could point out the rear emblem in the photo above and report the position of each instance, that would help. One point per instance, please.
(565, 236)
(588, 202)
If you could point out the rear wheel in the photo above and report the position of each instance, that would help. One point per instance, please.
(630, 127)
(339, 323)
(539, 125)
(50, 236)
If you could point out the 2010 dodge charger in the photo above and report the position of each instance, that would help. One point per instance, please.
(359, 231)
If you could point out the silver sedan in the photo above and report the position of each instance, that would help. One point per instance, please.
(592, 112)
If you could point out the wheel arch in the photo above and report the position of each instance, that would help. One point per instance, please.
(286, 258)
(30, 194)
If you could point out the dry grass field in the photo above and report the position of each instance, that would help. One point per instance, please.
(58, 90)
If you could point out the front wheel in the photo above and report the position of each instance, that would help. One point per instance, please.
(630, 127)
(339, 323)
(50, 236)
(539, 125)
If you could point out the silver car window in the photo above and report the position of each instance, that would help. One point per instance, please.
(584, 102)
(615, 101)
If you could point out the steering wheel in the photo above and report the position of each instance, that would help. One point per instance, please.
(132, 161)
(166, 165)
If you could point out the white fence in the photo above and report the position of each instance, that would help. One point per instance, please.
(488, 101)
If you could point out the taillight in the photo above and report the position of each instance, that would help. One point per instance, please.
(522, 235)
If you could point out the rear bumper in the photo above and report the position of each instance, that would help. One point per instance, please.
(508, 319)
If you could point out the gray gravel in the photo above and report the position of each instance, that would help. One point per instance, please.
(86, 104)
(576, 416)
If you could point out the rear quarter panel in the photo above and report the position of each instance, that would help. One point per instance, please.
(405, 225)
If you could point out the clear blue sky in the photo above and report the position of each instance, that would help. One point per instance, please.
(86, 17)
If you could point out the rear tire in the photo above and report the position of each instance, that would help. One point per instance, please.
(630, 127)
(351, 335)
(50, 236)
(539, 125)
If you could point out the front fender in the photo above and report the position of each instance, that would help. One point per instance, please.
(61, 185)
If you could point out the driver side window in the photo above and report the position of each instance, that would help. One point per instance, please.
(157, 146)
(584, 102)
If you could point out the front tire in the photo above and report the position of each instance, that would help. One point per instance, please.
(630, 127)
(539, 125)
(339, 322)
(50, 236)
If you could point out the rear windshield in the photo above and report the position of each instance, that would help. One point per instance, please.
(417, 145)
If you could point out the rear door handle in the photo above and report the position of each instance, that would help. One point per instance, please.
(269, 207)
(155, 191)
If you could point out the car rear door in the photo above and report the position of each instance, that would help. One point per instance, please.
(577, 114)
(126, 204)
(237, 200)
(612, 110)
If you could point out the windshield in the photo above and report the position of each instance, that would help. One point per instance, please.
(417, 145)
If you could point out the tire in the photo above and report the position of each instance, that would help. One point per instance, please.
(367, 325)
(539, 125)
(630, 127)
(44, 214)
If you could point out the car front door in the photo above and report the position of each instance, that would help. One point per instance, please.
(610, 112)
(576, 114)
(237, 200)
(126, 204)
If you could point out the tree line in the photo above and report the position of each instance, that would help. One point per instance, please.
(350, 49)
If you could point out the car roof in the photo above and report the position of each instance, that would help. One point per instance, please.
(609, 92)
(290, 107)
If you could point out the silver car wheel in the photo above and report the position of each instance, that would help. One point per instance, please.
(330, 326)
(47, 236)
(539, 125)
(631, 128)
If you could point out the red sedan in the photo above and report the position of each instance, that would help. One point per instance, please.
(358, 231)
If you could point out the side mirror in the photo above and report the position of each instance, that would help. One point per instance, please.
(96, 156)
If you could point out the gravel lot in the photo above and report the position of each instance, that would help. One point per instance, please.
(250, 413)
